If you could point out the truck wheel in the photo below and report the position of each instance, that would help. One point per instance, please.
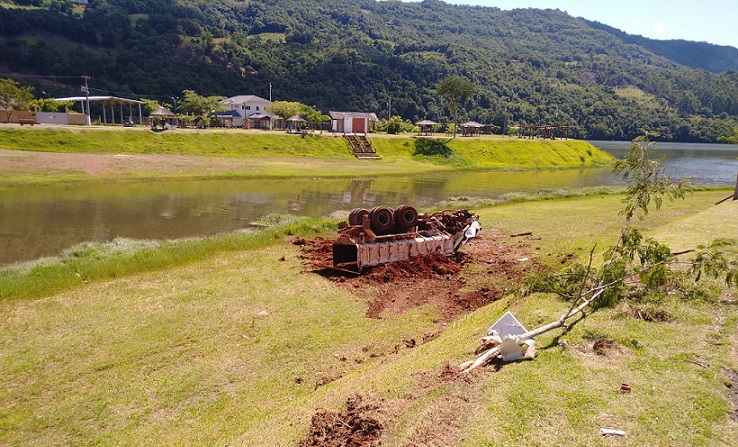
(406, 217)
(382, 219)
(357, 215)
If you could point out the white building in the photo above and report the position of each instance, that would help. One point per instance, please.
(244, 106)
(352, 122)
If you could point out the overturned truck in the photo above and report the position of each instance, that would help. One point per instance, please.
(383, 235)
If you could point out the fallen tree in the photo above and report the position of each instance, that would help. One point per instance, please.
(632, 262)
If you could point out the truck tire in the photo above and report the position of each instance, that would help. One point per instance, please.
(357, 215)
(382, 220)
(406, 217)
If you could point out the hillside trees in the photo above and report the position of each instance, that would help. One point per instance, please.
(543, 66)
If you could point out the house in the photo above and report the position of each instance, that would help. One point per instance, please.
(352, 122)
(241, 108)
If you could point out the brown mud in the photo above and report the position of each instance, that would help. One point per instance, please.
(481, 273)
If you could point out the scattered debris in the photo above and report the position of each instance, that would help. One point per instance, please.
(508, 339)
(325, 380)
(611, 432)
(646, 313)
(700, 364)
(527, 233)
(357, 426)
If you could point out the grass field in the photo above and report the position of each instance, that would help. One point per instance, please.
(47, 156)
(222, 342)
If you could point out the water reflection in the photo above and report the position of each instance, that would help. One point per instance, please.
(37, 222)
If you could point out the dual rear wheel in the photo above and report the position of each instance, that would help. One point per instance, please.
(385, 220)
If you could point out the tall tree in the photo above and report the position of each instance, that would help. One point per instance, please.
(286, 109)
(13, 96)
(455, 90)
(200, 105)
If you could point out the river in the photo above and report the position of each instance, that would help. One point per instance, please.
(44, 221)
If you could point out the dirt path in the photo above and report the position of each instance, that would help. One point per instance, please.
(104, 165)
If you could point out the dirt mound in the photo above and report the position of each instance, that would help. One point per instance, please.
(356, 426)
(496, 263)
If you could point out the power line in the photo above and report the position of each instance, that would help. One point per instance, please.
(16, 75)
(140, 95)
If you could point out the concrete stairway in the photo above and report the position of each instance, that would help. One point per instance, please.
(361, 147)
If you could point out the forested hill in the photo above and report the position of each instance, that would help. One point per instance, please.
(715, 58)
(531, 66)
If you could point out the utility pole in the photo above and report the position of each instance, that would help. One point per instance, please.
(87, 99)
(389, 108)
(271, 110)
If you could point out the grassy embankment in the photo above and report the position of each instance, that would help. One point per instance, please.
(228, 350)
(248, 154)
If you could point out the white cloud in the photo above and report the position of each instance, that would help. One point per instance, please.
(660, 31)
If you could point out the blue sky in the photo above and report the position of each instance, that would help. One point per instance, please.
(713, 21)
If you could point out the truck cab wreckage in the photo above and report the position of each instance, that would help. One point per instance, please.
(383, 235)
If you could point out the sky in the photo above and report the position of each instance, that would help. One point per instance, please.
(713, 21)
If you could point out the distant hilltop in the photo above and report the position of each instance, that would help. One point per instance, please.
(531, 66)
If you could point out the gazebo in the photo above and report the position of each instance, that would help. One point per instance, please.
(426, 127)
(163, 114)
(471, 129)
(294, 123)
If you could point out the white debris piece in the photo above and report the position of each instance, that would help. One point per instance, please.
(508, 328)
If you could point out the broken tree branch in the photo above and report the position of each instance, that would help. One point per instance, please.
(527, 233)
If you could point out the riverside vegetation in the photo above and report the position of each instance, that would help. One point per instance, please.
(225, 340)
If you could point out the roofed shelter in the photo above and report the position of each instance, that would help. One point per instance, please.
(426, 127)
(295, 123)
(351, 122)
(106, 101)
(163, 114)
(471, 129)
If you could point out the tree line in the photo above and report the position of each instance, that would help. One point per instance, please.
(531, 67)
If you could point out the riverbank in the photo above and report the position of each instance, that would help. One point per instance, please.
(38, 156)
(230, 340)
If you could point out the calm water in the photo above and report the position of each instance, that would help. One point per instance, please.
(37, 222)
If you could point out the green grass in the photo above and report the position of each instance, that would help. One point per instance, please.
(224, 344)
(122, 257)
(211, 143)
(229, 154)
